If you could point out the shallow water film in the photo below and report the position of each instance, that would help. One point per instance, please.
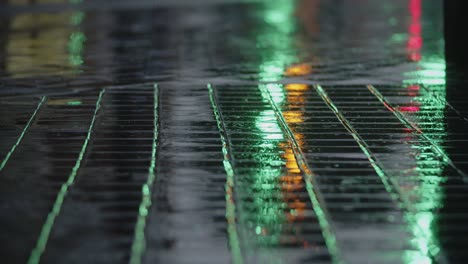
(228, 131)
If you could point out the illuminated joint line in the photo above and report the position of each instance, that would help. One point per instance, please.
(21, 136)
(414, 127)
(234, 244)
(41, 243)
(318, 203)
(390, 185)
(139, 241)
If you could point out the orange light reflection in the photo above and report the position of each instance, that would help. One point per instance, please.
(294, 181)
(298, 70)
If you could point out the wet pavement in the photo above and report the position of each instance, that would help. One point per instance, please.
(254, 131)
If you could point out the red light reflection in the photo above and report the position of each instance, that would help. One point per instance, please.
(415, 41)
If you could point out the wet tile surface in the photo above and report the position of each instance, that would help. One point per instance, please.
(229, 131)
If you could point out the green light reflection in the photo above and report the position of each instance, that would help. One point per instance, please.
(275, 45)
(432, 73)
(428, 192)
(75, 48)
(267, 213)
(267, 123)
(267, 204)
(77, 39)
(74, 103)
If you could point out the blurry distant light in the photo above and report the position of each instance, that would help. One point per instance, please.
(74, 103)
(298, 70)
(414, 87)
(411, 108)
(296, 87)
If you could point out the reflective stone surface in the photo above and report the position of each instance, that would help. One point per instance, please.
(210, 131)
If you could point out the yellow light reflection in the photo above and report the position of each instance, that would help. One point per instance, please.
(36, 44)
(44, 43)
(293, 181)
(295, 98)
(298, 70)
(296, 87)
(293, 117)
(290, 183)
